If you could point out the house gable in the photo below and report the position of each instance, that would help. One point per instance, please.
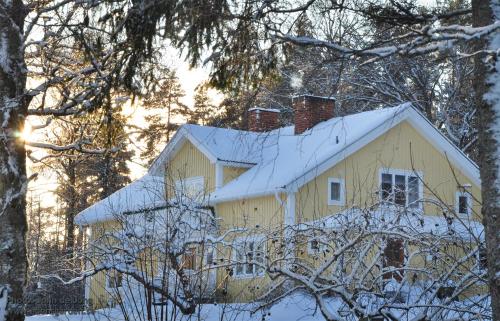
(173, 147)
(421, 125)
(187, 161)
(401, 148)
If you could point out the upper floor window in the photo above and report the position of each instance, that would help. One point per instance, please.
(463, 203)
(336, 193)
(191, 188)
(400, 187)
(249, 256)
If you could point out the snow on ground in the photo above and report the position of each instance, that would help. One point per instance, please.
(294, 308)
(297, 307)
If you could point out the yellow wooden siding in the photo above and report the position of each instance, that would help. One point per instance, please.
(261, 212)
(402, 147)
(189, 162)
(258, 216)
(231, 173)
(98, 294)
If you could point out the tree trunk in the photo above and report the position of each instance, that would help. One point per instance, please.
(487, 88)
(13, 181)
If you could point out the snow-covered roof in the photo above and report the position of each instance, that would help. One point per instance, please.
(148, 192)
(285, 156)
(286, 161)
(278, 161)
(218, 144)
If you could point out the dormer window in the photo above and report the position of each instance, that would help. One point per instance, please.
(463, 204)
(336, 193)
(399, 187)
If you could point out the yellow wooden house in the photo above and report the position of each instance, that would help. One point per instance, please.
(271, 177)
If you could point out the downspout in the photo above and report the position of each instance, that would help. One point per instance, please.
(219, 175)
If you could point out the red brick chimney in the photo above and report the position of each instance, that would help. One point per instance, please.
(310, 110)
(263, 119)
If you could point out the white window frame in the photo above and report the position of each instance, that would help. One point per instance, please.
(406, 174)
(186, 183)
(257, 239)
(459, 194)
(341, 182)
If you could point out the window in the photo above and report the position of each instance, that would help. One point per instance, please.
(403, 188)
(246, 253)
(191, 188)
(335, 191)
(463, 204)
(114, 279)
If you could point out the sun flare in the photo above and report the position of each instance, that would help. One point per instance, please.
(27, 133)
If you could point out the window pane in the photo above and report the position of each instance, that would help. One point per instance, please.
(413, 192)
(462, 205)
(249, 258)
(400, 190)
(386, 187)
(315, 245)
(240, 258)
(335, 191)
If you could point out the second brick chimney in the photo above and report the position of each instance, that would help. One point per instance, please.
(310, 110)
(263, 119)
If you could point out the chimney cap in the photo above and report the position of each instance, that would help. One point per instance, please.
(314, 96)
(272, 110)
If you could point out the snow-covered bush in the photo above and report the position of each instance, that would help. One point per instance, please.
(385, 262)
